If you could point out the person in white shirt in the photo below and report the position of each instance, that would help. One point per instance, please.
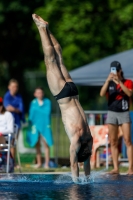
(6, 123)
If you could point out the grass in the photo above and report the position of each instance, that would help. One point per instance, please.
(29, 168)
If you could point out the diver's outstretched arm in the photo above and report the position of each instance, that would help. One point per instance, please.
(74, 164)
(74, 148)
(87, 167)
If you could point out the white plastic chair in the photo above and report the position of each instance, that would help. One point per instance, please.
(6, 147)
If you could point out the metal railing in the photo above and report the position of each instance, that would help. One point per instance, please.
(61, 145)
(61, 141)
(91, 117)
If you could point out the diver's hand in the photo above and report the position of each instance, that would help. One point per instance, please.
(75, 179)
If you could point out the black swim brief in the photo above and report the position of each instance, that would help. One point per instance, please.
(68, 90)
(85, 151)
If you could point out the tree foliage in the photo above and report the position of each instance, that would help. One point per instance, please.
(17, 41)
(89, 30)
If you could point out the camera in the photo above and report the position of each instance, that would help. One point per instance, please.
(113, 70)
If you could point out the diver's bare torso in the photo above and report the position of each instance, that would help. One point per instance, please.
(74, 118)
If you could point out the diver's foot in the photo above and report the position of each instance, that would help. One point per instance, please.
(39, 21)
(114, 171)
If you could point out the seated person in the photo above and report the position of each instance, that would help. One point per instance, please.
(6, 123)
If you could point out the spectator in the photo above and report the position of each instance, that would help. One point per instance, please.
(40, 119)
(6, 122)
(6, 126)
(118, 90)
(13, 103)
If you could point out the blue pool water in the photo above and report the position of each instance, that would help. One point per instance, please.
(61, 187)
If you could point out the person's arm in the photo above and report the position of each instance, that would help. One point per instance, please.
(87, 162)
(74, 163)
(74, 148)
(87, 167)
(106, 84)
(126, 90)
(12, 109)
(8, 106)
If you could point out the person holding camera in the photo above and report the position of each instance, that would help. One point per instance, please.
(118, 91)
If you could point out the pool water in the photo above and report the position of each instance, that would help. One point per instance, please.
(61, 187)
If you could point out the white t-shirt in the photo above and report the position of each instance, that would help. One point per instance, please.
(6, 123)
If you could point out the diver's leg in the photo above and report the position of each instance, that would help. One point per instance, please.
(59, 58)
(55, 78)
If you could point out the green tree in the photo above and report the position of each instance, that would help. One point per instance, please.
(88, 31)
(17, 41)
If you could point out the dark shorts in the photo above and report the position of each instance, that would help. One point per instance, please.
(68, 90)
(118, 118)
(85, 151)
